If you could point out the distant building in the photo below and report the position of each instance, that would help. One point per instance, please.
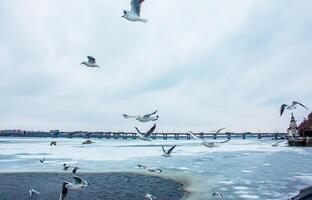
(301, 135)
(293, 128)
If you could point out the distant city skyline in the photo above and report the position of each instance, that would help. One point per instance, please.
(204, 66)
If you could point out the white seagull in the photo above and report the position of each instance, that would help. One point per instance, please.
(134, 14)
(292, 106)
(33, 192)
(149, 196)
(77, 184)
(150, 169)
(146, 135)
(167, 153)
(91, 62)
(206, 143)
(143, 118)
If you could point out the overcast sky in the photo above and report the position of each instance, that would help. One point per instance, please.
(204, 64)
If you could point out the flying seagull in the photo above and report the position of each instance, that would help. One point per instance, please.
(217, 194)
(143, 118)
(42, 160)
(206, 143)
(147, 134)
(33, 192)
(167, 153)
(74, 169)
(65, 167)
(91, 62)
(78, 183)
(53, 143)
(149, 196)
(292, 106)
(218, 131)
(134, 14)
(150, 169)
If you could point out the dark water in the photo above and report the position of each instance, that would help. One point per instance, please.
(104, 186)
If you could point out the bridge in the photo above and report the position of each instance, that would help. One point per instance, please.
(133, 135)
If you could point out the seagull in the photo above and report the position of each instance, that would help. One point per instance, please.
(91, 62)
(78, 183)
(147, 134)
(134, 14)
(291, 107)
(33, 192)
(217, 194)
(65, 167)
(277, 143)
(53, 143)
(143, 118)
(87, 142)
(42, 160)
(206, 143)
(150, 169)
(149, 196)
(74, 169)
(167, 153)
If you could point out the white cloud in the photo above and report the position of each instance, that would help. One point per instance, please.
(203, 65)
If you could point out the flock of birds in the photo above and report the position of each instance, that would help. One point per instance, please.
(79, 183)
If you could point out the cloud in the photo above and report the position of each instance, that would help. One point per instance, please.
(204, 65)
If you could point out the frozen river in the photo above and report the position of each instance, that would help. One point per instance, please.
(239, 169)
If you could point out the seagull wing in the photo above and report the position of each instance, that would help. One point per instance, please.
(219, 130)
(283, 106)
(194, 136)
(64, 191)
(149, 132)
(223, 141)
(153, 113)
(91, 60)
(130, 116)
(77, 180)
(171, 149)
(295, 102)
(163, 149)
(74, 170)
(36, 192)
(136, 6)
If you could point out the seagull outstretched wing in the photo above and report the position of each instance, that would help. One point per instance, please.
(91, 60)
(130, 116)
(153, 113)
(295, 103)
(163, 149)
(79, 181)
(194, 136)
(136, 6)
(219, 130)
(225, 141)
(171, 149)
(64, 191)
(149, 132)
(283, 106)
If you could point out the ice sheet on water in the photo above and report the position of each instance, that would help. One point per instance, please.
(225, 168)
